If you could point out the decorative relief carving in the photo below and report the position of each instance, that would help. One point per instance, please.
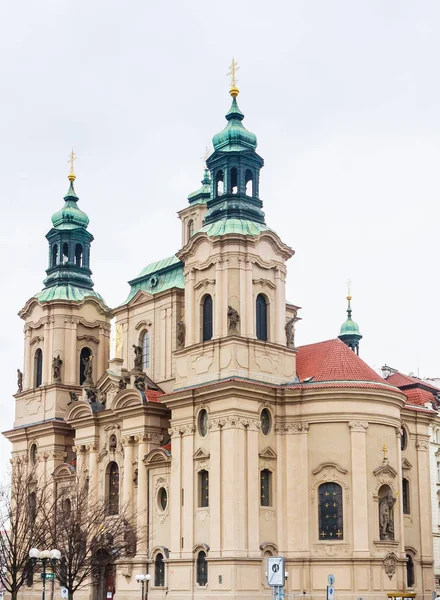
(161, 513)
(361, 426)
(389, 564)
(287, 428)
(215, 424)
(331, 550)
(330, 467)
(88, 338)
(422, 446)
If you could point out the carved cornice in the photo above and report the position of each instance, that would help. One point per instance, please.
(88, 338)
(181, 430)
(422, 446)
(291, 428)
(204, 283)
(385, 469)
(331, 466)
(264, 283)
(360, 426)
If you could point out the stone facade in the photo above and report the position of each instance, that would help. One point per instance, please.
(226, 444)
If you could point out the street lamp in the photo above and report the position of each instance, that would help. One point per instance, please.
(45, 557)
(143, 580)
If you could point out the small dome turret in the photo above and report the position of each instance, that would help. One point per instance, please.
(349, 333)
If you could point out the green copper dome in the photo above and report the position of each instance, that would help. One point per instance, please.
(201, 195)
(234, 136)
(349, 333)
(70, 216)
(349, 327)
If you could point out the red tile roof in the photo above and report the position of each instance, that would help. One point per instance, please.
(418, 396)
(333, 361)
(153, 395)
(400, 380)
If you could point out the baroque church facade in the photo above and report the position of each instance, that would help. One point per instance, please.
(229, 442)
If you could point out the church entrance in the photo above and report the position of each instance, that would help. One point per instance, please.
(103, 576)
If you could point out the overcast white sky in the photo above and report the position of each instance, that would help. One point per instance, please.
(344, 98)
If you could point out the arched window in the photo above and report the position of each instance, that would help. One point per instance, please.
(32, 505)
(405, 496)
(33, 454)
(67, 508)
(78, 255)
(54, 254)
(159, 571)
(234, 180)
(84, 358)
(190, 228)
(113, 488)
(207, 318)
(38, 367)
(203, 488)
(403, 438)
(249, 182)
(202, 568)
(410, 571)
(331, 526)
(261, 312)
(145, 343)
(265, 487)
(219, 183)
(65, 253)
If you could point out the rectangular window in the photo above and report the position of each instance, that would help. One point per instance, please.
(265, 487)
(405, 496)
(203, 489)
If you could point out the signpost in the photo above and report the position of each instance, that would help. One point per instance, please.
(276, 576)
(64, 593)
(330, 587)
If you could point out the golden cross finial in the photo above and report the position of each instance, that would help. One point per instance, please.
(384, 450)
(232, 73)
(349, 289)
(71, 161)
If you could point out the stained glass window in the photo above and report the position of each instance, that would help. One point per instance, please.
(202, 568)
(113, 489)
(203, 488)
(330, 512)
(265, 485)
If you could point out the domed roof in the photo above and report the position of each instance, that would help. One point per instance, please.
(349, 327)
(70, 216)
(234, 136)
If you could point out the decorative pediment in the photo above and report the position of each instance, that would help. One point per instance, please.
(64, 471)
(140, 298)
(201, 454)
(88, 338)
(332, 466)
(143, 325)
(264, 283)
(385, 469)
(267, 453)
(204, 283)
(79, 409)
(406, 465)
(156, 456)
(126, 399)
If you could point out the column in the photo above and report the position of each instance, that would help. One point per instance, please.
(27, 367)
(358, 431)
(191, 334)
(176, 494)
(102, 364)
(188, 478)
(253, 490)
(93, 472)
(423, 490)
(297, 487)
(142, 489)
(127, 484)
(215, 463)
(217, 299)
(280, 307)
(304, 488)
(400, 498)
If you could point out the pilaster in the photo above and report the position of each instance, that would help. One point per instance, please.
(358, 431)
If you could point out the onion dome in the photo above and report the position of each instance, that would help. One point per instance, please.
(70, 216)
(201, 195)
(234, 136)
(349, 332)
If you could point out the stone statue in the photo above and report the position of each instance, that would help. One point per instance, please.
(73, 398)
(112, 443)
(180, 335)
(386, 523)
(91, 395)
(290, 332)
(19, 381)
(137, 357)
(122, 384)
(139, 383)
(234, 319)
(56, 368)
(88, 371)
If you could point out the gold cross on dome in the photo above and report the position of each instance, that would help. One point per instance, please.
(385, 450)
(232, 73)
(71, 161)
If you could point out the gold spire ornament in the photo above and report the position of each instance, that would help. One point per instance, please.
(349, 289)
(385, 450)
(71, 176)
(232, 73)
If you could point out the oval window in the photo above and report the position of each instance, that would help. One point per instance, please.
(203, 423)
(163, 498)
(403, 438)
(265, 421)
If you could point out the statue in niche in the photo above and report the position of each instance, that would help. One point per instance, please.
(234, 319)
(386, 522)
(56, 368)
(180, 335)
(112, 443)
(19, 381)
(103, 398)
(139, 383)
(137, 357)
(88, 371)
(290, 332)
(73, 398)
